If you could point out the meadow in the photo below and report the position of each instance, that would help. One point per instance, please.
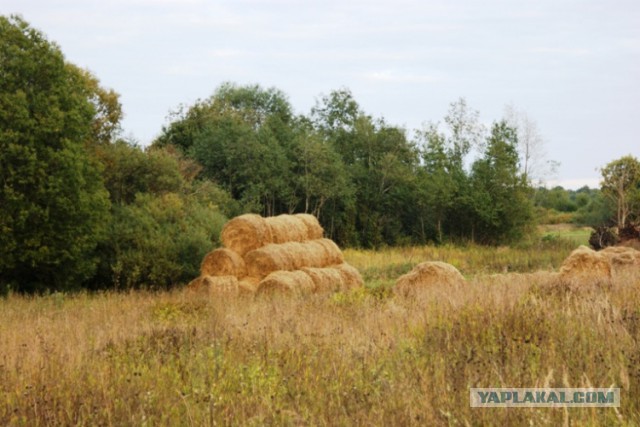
(359, 358)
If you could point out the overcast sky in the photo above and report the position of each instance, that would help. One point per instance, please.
(572, 66)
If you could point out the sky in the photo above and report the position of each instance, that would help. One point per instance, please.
(573, 67)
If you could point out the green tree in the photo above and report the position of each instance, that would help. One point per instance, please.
(243, 138)
(557, 198)
(107, 114)
(437, 189)
(502, 207)
(381, 164)
(53, 204)
(129, 170)
(321, 174)
(621, 185)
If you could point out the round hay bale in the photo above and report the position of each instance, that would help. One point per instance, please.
(248, 285)
(291, 256)
(287, 228)
(250, 231)
(622, 256)
(586, 267)
(342, 277)
(293, 283)
(426, 275)
(314, 229)
(223, 262)
(221, 286)
(351, 277)
(325, 280)
(245, 233)
(332, 253)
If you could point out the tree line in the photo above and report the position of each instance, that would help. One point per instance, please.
(80, 206)
(367, 181)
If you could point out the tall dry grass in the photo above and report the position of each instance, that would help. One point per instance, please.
(355, 358)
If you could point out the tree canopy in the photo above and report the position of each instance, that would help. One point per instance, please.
(621, 184)
(53, 205)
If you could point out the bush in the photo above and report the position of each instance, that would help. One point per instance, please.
(158, 241)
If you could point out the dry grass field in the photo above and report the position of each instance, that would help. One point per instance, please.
(363, 357)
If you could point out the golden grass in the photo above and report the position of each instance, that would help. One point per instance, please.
(362, 357)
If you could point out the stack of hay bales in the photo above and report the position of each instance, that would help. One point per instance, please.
(284, 254)
(427, 275)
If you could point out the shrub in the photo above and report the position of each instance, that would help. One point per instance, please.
(158, 241)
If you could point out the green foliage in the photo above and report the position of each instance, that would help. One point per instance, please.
(500, 192)
(128, 170)
(242, 136)
(163, 221)
(557, 198)
(596, 212)
(380, 161)
(585, 206)
(322, 176)
(158, 241)
(53, 205)
(368, 183)
(621, 185)
(437, 187)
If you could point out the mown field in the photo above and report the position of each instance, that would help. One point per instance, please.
(361, 358)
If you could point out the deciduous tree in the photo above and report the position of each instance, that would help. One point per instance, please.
(621, 184)
(53, 204)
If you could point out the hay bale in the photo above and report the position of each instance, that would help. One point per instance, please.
(586, 267)
(314, 229)
(248, 285)
(350, 276)
(342, 277)
(292, 256)
(221, 286)
(622, 256)
(332, 252)
(325, 280)
(293, 283)
(245, 233)
(426, 275)
(287, 228)
(250, 231)
(223, 262)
